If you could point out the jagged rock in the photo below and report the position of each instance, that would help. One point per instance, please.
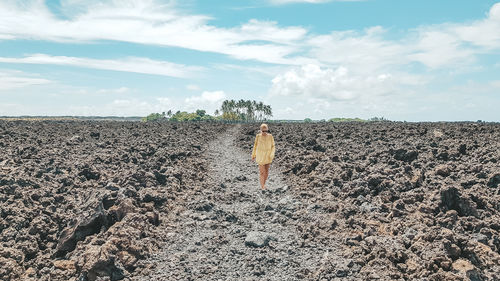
(84, 227)
(67, 265)
(451, 200)
(405, 155)
(494, 181)
(442, 170)
(258, 239)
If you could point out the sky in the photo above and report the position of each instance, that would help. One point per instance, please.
(398, 59)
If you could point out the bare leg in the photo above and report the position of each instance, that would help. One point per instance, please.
(262, 173)
(266, 172)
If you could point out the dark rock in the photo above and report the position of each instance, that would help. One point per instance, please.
(494, 181)
(443, 170)
(404, 155)
(473, 275)
(241, 178)
(89, 174)
(95, 135)
(451, 200)
(319, 148)
(203, 206)
(152, 195)
(462, 149)
(84, 227)
(443, 156)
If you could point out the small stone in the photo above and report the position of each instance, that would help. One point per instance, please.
(65, 265)
(258, 239)
(481, 238)
(410, 233)
(442, 170)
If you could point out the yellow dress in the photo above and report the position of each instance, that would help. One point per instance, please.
(263, 149)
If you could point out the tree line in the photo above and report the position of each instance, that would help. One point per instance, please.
(230, 110)
(244, 110)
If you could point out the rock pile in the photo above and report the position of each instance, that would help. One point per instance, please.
(410, 201)
(85, 200)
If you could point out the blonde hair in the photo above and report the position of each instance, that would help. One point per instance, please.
(264, 125)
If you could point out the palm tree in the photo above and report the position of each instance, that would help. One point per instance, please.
(268, 111)
(248, 105)
(254, 109)
(260, 108)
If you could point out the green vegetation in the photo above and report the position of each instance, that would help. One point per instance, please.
(154, 117)
(378, 119)
(198, 115)
(244, 110)
(240, 111)
(342, 119)
(230, 111)
(337, 119)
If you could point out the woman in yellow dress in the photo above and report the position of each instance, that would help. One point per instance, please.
(263, 153)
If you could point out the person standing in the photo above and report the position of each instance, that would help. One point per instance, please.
(263, 153)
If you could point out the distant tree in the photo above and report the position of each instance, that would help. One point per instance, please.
(153, 117)
(244, 110)
(307, 120)
(377, 119)
(200, 112)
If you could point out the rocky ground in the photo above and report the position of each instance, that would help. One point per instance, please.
(409, 201)
(161, 201)
(88, 200)
(230, 230)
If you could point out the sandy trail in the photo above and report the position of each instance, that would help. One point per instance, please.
(209, 239)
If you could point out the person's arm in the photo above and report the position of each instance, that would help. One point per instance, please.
(254, 147)
(272, 147)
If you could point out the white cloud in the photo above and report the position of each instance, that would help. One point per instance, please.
(121, 107)
(192, 87)
(281, 2)
(9, 81)
(209, 101)
(311, 81)
(120, 90)
(207, 96)
(132, 64)
(436, 46)
(148, 22)
(153, 22)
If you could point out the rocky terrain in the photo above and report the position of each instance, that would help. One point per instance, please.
(230, 230)
(408, 201)
(88, 200)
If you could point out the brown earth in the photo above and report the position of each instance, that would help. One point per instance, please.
(410, 201)
(85, 200)
(180, 201)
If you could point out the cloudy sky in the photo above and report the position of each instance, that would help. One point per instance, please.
(421, 60)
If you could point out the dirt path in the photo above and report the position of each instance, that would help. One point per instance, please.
(233, 231)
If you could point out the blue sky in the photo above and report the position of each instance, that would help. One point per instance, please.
(404, 60)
